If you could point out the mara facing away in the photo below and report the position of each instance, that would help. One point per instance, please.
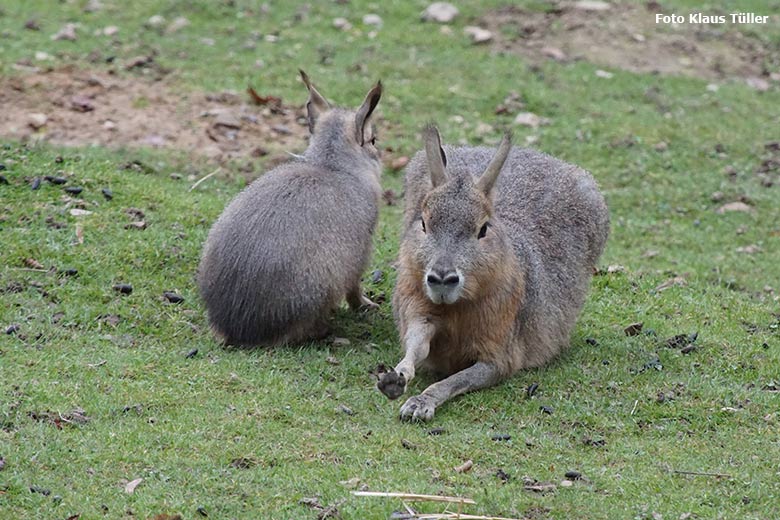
(293, 244)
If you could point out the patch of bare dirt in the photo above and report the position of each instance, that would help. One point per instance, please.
(73, 107)
(626, 36)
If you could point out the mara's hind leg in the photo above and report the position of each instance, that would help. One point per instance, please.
(314, 330)
(357, 300)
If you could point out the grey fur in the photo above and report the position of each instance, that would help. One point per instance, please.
(548, 226)
(295, 242)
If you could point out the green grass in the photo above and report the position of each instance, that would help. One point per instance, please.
(180, 422)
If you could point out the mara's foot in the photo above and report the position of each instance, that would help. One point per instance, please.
(358, 301)
(418, 408)
(392, 384)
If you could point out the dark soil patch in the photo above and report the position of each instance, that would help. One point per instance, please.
(626, 36)
(94, 108)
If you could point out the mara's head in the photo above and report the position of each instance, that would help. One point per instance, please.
(459, 246)
(342, 135)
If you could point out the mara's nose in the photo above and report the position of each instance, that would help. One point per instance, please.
(448, 279)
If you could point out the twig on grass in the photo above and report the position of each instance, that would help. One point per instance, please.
(412, 497)
(701, 473)
(634, 408)
(457, 516)
(219, 168)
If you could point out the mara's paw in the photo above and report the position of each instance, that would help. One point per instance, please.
(366, 304)
(392, 384)
(418, 408)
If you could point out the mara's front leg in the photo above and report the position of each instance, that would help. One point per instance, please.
(422, 407)
(417, 345)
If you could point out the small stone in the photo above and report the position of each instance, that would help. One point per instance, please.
(372, 19)
(661, 146)
(68, 32)
(37, 120)
(530, 119)
(227, 119)
(139, 225)
(78, 212)
(603, 74)
(638, 37)
(178, 24)
(42, 56)
(93, 6)
(759, 84)
(340, 342)
(592, 5)
(717, 196)
(36, 183)
(501, 437)
(482, 129)
(191, 354)
(566, 483)
(546, 409)
(750, 250)
(342, 24)
(32, 25)
(440, 12)
(554, 53)
(399, 163)
(478, 35)
(73, 190)
(107, 194)
(109, 125)
(111, 30)
(734, 206)
(155, 22)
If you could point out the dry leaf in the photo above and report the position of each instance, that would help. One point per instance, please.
(130, 486)
(32, 263)
(678, 281)
(634, 329)
(465, 467)
(263, 100)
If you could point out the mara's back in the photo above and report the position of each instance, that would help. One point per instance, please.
(285, 248)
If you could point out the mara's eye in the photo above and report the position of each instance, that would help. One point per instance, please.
(373, 141)
(423, 225)
(482, 230)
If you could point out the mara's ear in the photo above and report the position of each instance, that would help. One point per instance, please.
(363, 115)
(488, 178)
(435, 154)
(316, 103)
